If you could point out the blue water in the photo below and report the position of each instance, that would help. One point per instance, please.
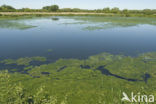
(72, 41)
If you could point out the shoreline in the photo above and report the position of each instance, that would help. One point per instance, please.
(5, 14)
(54, 13)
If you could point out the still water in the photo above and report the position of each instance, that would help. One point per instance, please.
(76, 37)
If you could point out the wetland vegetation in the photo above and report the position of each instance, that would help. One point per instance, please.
(90, 22)
(98, 22)
(14, 25)
(74, 81)
(71, 59)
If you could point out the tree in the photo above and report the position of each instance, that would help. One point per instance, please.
(52, 8)
(125, 11)
(147, 11)
(115, 10)
(106, 10)
(7, 8)
(46, 7)
(26, 10)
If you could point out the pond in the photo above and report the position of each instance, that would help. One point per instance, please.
(76, 36)
(77, 58)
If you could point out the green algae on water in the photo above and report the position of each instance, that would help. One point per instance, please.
(24, 61)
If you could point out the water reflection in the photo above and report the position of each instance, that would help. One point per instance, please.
(68, 37)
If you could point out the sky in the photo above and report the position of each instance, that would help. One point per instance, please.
(83, 4)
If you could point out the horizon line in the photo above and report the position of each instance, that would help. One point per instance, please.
(79, 8)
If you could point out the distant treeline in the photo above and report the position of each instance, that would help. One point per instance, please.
(55, 8)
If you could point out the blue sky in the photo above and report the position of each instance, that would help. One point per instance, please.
(84, 4)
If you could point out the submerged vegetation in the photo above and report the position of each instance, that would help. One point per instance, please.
(98, 22)
(100, 79)
(14, 25)
(87, 22)
(23, 61)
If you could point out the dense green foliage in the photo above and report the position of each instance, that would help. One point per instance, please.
(52, 8)
(7, 8)
(73, 81)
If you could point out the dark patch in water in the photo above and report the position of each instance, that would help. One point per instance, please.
(61, 68)
(20, 68)
(108, 73)
(11, 66)
(146, 77)
(25, 71)
(55, 19)
(104, 71)
(85, 66)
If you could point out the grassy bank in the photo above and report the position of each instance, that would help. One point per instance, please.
(17, 14)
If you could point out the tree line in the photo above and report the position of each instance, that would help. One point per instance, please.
(55, 8)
